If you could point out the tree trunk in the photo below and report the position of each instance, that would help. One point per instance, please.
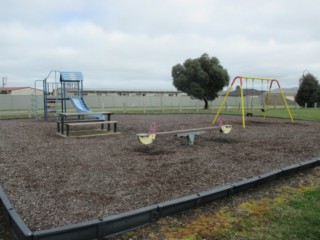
(205, 103)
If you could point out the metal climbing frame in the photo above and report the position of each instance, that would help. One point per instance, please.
(57, 91)
(241, 78)
(51, 91)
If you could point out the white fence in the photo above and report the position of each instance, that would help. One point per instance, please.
(11, 102)
(15, 102)
(30, 104)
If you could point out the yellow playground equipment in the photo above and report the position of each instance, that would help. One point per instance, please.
(264, 109)
(148, 138)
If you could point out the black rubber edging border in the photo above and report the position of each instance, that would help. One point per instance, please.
(17, 225)
(113, 225)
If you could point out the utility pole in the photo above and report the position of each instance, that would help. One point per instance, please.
(4, 81)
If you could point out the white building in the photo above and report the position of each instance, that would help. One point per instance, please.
(20, 91)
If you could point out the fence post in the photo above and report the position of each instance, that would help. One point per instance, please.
(305, 105)
(161, 100)
(315, 105)
(102, 107)
(29, 112)
(124, 107)
(180, 104)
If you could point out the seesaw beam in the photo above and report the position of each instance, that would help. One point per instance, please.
(148, 138)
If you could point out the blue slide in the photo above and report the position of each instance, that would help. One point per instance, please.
(81, 107)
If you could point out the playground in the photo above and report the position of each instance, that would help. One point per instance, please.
(54, 181)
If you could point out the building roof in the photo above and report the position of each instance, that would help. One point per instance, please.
(293, 90)
(130, 91)
(12, 88)
(255, 92)
(249, 92)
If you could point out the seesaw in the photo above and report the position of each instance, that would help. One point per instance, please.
(148, 138)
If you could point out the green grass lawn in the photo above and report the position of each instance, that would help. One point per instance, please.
(279, 112)
(292, 213)
(294, 216)
(312, 114)
(307, 114)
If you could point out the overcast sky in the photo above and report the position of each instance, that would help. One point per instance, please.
(133, 44)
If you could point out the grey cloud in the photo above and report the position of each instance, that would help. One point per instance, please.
(135, 43)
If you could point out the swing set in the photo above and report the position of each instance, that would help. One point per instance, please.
(264, 109)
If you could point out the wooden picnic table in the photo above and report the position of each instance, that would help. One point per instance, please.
(81, 117)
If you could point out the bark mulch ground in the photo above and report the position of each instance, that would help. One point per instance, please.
(53, 181)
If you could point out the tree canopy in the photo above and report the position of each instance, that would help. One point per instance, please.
(201, 78)
(309, 91)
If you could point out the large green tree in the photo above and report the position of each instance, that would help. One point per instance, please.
(201, 78)
(309, 91)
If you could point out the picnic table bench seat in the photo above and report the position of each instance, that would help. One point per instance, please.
(59, 122)
(102, 123)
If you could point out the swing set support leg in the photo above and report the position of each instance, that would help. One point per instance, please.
(242, 98)
(225, 99)
(283, 98)
(222, 104)
(242, 105)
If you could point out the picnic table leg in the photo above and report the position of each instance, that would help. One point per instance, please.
(109, 118)
(62, 124)
(67, 130)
